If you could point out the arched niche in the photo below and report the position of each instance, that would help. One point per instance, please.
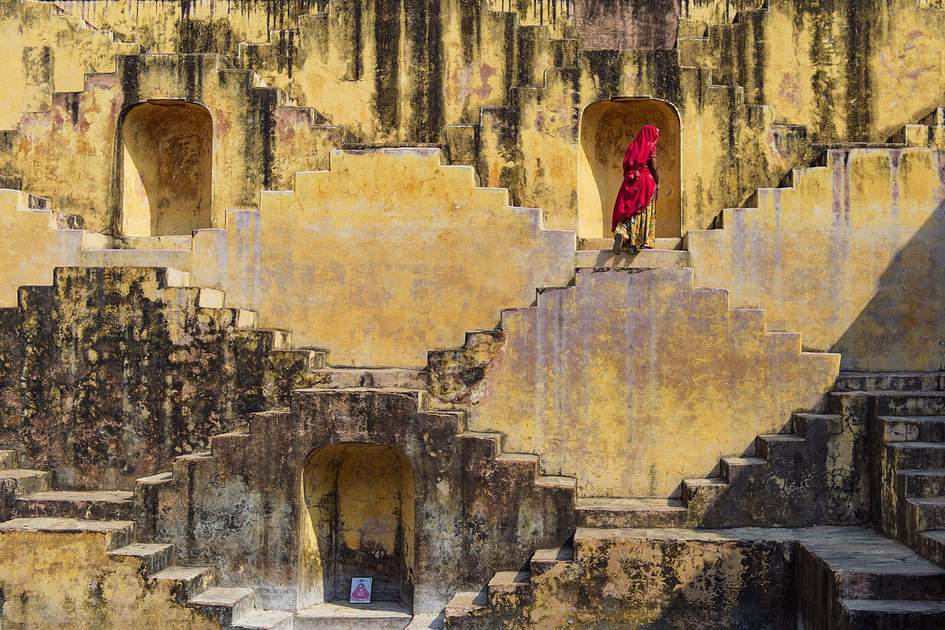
(607, 127)
(166, 171)
(357, 521)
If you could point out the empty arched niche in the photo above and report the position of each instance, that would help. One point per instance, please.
(607, 127)
(166, 168)
(357, 521)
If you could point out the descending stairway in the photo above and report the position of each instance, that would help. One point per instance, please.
(906, 412)
(849, 578)
(37, 508)
(732, 497)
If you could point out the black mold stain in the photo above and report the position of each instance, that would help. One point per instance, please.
(861, 16)
(470, 29)
(387, 63)
(424, 28)
(260, 144)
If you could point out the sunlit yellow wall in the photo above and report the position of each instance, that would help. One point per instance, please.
(56, 580)
(45, 52)
(632, 382)
(383, 258)
(851, 257)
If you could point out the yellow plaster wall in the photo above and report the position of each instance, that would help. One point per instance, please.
(848, 74)
(383, 258)
(56, 580)
(44, 52)
(851, 256)
(633, 381)
(32, 245)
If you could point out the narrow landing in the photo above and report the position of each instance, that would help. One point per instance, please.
(340, 615)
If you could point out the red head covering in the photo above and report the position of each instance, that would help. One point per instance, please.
(642, 148)
(638, 184)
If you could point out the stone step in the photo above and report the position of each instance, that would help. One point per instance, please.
(915, 455)
(466, 602)
(646, 259)
(593, 244)
(25, 480)
(805, 422)
(225, 604)
(913, 428)
(117, 533)
(557, 482)
(8, 459)
(778, 445)
(505, 584)
(543, 560)
(344, 378)
(169, 243)
(931, 545)
(891, 614)
(154, 557)
(731, 468)
(338, 615)
(860, 563)
(702, 489)
(211, 298)
(928, 513)
(265, 619)
(912, 403)
(890, 381)
(189, 581)
(80, 504)
(488, 443)
(609, 513)
(921, 483)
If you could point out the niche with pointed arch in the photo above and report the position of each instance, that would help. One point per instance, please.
(166, 168)
(607, 127)
(357, 521)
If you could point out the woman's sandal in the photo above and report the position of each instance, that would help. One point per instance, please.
(618, 243)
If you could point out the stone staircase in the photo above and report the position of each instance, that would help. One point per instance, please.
(478, 450)
(906, 412)
(46, 31)
(848, 578)
(37, 508)
(779, 483)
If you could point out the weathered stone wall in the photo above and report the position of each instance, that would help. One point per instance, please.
(384, 257)
(645, 578)
(72, 154)
(111, 373)
(626, 24)
(242, 509)
(58, 579)
(45, 52)
(849, 70)
(851, 253)
(633, 381)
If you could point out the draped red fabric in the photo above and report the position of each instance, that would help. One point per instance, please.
(638, 185)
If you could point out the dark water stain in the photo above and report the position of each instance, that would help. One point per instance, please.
(387, 36)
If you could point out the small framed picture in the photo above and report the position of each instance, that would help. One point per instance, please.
(360, 590)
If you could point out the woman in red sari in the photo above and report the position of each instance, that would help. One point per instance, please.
(633, 219)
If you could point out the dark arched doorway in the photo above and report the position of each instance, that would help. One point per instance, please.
(166, 170)
(606, 129)
(357, 521)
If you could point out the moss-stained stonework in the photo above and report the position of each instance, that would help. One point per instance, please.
(109, 374)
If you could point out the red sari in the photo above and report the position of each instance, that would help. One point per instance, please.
(638, 186)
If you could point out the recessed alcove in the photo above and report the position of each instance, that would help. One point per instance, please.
(607, 127)
(166, 168)
(357, 521)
